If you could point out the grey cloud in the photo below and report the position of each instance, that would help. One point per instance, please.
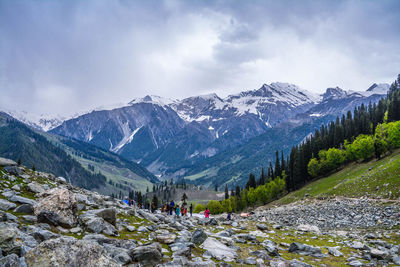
(67, 56)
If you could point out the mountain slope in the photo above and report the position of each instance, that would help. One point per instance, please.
(76, 160)
(17, 141)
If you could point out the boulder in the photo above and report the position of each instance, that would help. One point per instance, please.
(12, 240)
(35, 187)
(14, 170)
(304, 249)
(335, 251)
(6, 205)
(7, 162)
(22, 200)
(148, 255)
(11, 260)
(147, 215)
(198, 236)
(262, 226)
(24, 208)
(308, 228)
(68, 251)
(109, 215)
(166, 237)
(218, 250)
(59, 201)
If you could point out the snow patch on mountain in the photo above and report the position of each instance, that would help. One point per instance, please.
(153, 99)
(43, 122)
(128, 137)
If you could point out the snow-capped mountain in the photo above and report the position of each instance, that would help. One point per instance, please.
(169, 135)
(43, 122)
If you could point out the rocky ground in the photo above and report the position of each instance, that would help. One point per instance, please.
(44, 221)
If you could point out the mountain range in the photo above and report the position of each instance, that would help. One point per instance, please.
(207, 138)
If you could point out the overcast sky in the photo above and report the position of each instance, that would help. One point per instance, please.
(68, 56)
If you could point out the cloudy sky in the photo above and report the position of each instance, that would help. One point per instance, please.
(69, 56)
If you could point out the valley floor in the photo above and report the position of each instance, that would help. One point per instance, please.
(47, 222)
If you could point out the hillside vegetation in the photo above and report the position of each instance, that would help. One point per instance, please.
(373, 179)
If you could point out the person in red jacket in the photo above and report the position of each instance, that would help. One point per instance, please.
(207, 213)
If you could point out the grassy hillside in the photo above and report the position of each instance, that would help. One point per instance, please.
(373, 179)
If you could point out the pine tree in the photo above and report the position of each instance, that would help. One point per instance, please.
(278, 171)
(261, 181)
(252, 181)
(237, 189)
(19, 162)
(184, 198)
(226, 192)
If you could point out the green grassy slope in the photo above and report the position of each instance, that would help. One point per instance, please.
(373, 179)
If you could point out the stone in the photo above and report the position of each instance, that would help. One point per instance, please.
(303, 249)
(262, 226)
(142, 229)
(62, 202)
(16, 187)
(378, 254)
(7, 162)
(308, 228)
(29, 219)
(35, 187)
(218, 250)
(22, 200)
(166, 238)
(198, 236)
(12, 240)
(68, 251)
(208, 263)
(131, 228)
(277, 262)
(6, 205)
(356, 263)
(334, 251)
(296, 263)
(14, 170)
(250, 261)
(271, 247)
(11, 260)
(48, 217)
(24, 208)
(109, 215)
(357, 245)
(148, 215)
(262, 254)
(148, 255)
(61, 180)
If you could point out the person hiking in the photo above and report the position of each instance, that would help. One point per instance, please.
(191, 209)
(171, 206)
(229, 217)
(177, 210)
(183, 210)
(207, 213)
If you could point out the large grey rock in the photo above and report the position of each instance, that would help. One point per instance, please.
(12, 240)
(334, 251)
(147, 215)
(148, 255)
(35, 187)
(22, 200)
(262, 226)
(166, 237)
(6, 205)
(7, 162)
(109, 215)
(218, 250)
(97, 225)
(11, 260)
(68, 251)
(304, 249)
(296, 263)
(62, 202)
(14, 170)
(24, 208)
(199, 236)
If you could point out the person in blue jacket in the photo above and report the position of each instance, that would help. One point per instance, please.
(171, 207)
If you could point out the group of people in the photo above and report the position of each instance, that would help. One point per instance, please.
(173, 208)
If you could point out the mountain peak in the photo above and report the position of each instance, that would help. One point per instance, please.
(334, 93)
(153, 99)
(380, 88)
